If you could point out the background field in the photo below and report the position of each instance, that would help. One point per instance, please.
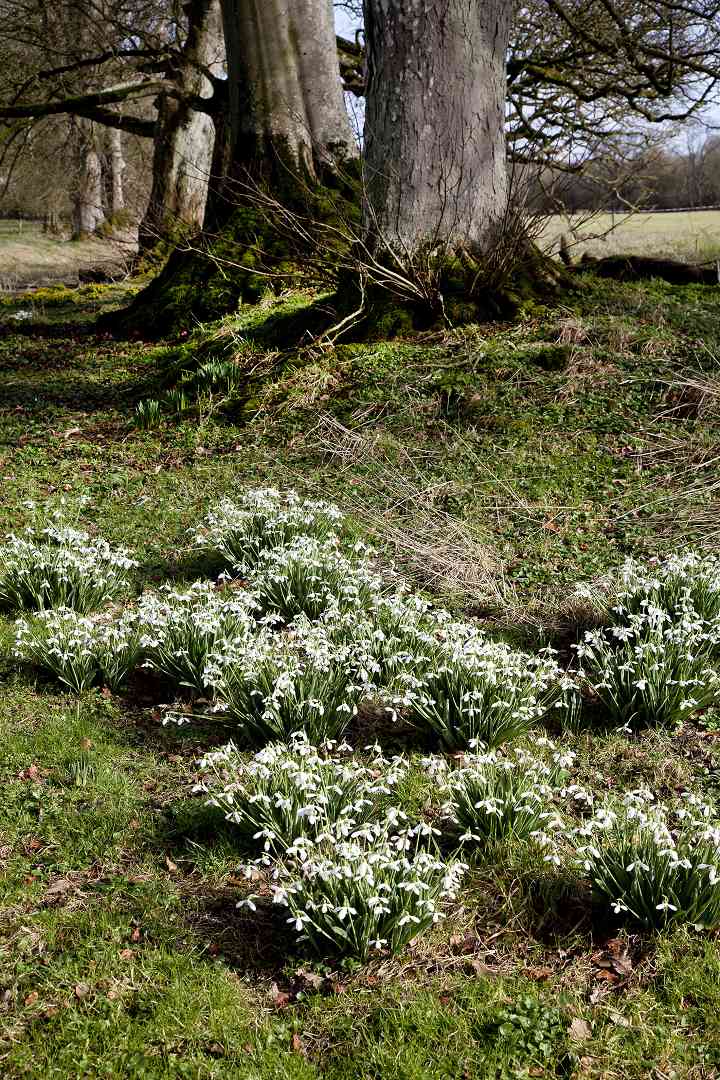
(690, 235)
(29, 258)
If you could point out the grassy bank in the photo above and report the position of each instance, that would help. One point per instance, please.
(496, 467)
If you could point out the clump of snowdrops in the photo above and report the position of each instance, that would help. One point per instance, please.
(655, 668)
(80, 650)
(652, 864)
(466, 689)
(503, 797)
(374, 890)
(295, 791)
(390, 629)
(275, 684)
(676, 583)
(61, 566)
(263, 519)
(309, 576)
(182, 628)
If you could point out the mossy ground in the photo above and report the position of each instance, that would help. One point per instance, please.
(563, 441)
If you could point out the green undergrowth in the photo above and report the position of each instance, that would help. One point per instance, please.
(553, 446)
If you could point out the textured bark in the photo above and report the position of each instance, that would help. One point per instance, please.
(285, 90)
(185, 137)
(117, 168)
(286, 127)
(88, 212)
(435, 168)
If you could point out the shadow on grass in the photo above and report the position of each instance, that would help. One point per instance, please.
(258, 942)
(183, 568)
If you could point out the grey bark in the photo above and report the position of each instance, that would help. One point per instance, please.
(88, 212)
(185, 137)
(117, 168)
(435, 171)
(285, 91)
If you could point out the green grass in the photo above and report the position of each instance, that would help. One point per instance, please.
(121, 951)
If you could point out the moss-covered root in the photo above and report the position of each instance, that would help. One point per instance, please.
(255, 246)
(459, 290)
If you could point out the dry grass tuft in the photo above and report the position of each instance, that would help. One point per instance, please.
(399, 507)
(684, 504)
(572, 331)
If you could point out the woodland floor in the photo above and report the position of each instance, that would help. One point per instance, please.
(546, 450)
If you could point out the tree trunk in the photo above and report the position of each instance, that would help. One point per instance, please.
(117, 168)
(286, 131)
(286, 96)
(435, 170)
(185, 136)
(88, 213)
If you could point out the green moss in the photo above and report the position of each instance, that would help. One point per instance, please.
(250, 254)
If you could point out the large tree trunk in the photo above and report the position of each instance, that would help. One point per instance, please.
(286, 131)
(185, 136)
(286, 95)
(435, 170)
(286, 109)
(88, 212)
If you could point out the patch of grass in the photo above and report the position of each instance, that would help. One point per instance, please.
(123, 953)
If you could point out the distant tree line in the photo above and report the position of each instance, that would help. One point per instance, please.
(656, 178)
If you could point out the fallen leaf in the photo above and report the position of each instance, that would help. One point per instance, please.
(296, 1045)
(86, 744)
(32, 997)
(57, 888)
(113, 995)
(537, 973)
(579, 1030)
(311, 978)
(607, 976)
(126, 954)
(279, 998)
(463, 943)
(81, 990)
(622, 965)
(136, 934)
(72, 431)
(614, 961)
(172, 867)
(481, 968)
